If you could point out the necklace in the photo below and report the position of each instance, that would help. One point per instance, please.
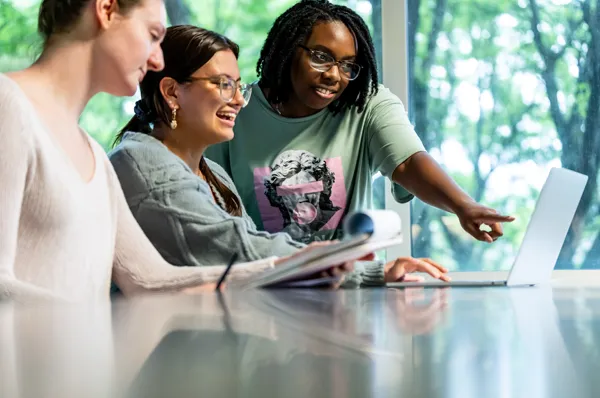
(277, 108)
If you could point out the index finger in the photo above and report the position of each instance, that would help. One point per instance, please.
(494, 218)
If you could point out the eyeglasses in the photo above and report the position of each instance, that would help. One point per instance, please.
(322, 62)
(227, 87)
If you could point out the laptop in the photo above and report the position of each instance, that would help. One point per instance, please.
(544, 237)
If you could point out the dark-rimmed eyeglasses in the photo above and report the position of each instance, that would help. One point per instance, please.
(322, 62)
(227, 87)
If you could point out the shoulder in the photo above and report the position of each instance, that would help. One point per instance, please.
(10, 92)
(16, 125)
(219, 172)
(385, 109)
(135, 146)
(143, 165)
(379, 104)
(143, 152)
(383, 97)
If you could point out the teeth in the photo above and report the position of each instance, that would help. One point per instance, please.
(227, 115)
(324, 91)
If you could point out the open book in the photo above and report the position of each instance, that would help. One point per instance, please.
(364, 232)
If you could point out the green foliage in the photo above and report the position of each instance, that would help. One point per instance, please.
(19, 42)
(497, 108)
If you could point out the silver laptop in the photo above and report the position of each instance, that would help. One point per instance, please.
(544, 237)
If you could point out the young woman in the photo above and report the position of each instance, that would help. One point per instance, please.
(319, 126)
(186, 204)
(65, 227)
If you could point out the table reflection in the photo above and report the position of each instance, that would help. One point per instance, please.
(530, 342)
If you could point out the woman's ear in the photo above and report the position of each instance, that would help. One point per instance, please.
(169, 88)
(105, 11)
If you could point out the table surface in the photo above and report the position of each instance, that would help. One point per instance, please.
(460, 342)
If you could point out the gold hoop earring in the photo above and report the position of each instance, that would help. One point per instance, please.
(174, 119)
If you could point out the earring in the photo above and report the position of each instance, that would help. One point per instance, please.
(174, 119)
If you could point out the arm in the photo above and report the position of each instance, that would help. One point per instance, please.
(201, 220)
(398, 152)
(205, 233)
(16, 157)
(183, 221)
(423, 176)
(138, 266)
(367, 273)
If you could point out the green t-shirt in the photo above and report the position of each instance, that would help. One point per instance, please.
(303, 175)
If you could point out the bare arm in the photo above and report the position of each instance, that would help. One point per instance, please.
(422, 175)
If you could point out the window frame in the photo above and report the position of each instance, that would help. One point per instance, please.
(395, 77)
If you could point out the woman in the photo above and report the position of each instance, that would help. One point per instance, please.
(318, 102)
(186, 204)
(65, 228)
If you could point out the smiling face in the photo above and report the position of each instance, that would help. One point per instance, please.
(130, 46)
(202, 111)
(314, 90)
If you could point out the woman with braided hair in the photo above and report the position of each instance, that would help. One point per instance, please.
(318, 93)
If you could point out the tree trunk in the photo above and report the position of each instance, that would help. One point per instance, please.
(581, 155)
(418, 95)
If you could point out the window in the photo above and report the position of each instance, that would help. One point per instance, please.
(500, 92)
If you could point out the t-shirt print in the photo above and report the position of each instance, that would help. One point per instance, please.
(301, 194)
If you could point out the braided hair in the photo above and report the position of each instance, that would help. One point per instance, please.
(292, 29)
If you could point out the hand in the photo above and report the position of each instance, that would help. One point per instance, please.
(398, 269)
(474, 215)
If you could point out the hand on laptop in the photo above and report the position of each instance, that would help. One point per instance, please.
(399, 270)
(473, 215)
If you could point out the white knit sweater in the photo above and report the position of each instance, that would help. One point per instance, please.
(63, 238)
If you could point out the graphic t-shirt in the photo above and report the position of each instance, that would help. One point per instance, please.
(303, 175)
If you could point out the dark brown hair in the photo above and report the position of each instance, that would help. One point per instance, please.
(186, 49)
(58, 16)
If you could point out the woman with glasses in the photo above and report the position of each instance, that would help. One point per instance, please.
(318, 102)
(187, 205)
